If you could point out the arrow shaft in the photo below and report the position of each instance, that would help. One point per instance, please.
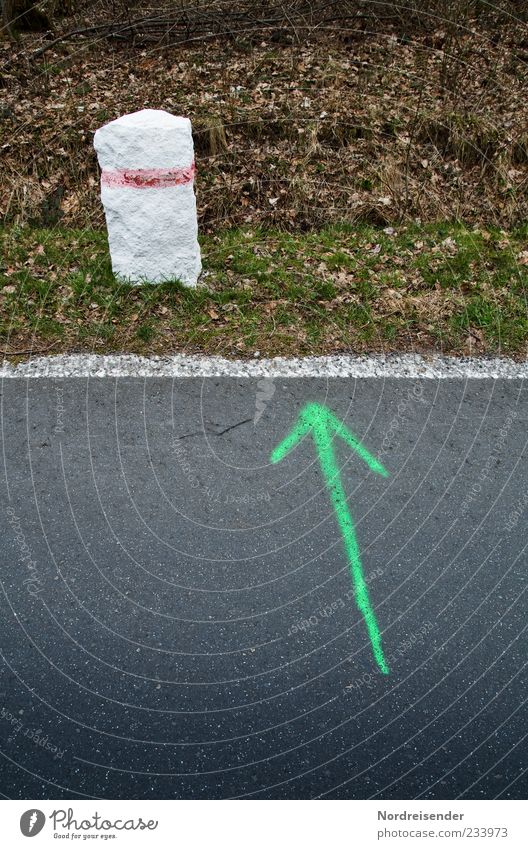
(332, 476)
(322, 424)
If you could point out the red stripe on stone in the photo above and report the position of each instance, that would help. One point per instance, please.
(147, 178)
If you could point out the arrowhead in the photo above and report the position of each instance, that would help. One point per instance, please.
(323, 425)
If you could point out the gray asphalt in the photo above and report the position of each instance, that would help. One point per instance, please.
(177, 618)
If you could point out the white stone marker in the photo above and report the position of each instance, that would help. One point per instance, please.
(147, 173)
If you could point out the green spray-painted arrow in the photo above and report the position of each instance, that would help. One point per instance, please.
(323, 425)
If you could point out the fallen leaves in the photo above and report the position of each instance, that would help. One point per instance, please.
(313, 133)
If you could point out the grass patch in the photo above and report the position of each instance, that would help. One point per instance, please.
(442, 286)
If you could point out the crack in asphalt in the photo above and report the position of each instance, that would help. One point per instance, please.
(214, 432)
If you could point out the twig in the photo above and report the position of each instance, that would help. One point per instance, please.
(66, 35)
(30, 350)
(206, 23)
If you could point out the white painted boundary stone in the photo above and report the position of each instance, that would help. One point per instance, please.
(147, 174)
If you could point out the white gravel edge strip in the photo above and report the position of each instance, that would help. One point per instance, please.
(180, 365)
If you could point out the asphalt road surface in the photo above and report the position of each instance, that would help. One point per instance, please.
(177, 614)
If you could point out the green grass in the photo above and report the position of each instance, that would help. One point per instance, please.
(341, 289)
